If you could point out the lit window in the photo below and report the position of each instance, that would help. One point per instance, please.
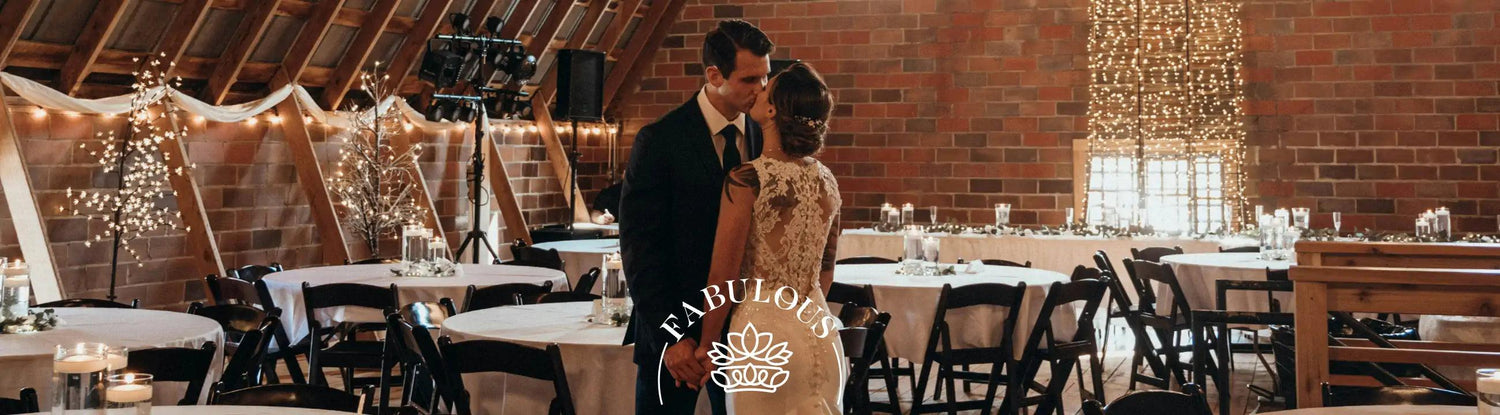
(1176, 197)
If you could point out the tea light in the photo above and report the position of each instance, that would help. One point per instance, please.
(930, 248)
(79, 364)
(129, 388)
(908, 212)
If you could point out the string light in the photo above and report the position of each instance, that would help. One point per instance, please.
(275, 119)
(307, 119)
(70, 114)
(251, 121)
(39, 113)
(198, 119)
(407, 127)
(373, 181)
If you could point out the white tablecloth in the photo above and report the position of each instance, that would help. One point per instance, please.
(210, 410)
(286, 288)
(26, 359)
(1197, 273)
(912, 302)
(580, 255)
(612, 229)
(1053, 253)
(601, 375)
(1458, 329)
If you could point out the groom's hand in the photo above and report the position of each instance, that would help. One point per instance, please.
(683, 364)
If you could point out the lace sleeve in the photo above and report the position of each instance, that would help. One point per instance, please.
(744, 177)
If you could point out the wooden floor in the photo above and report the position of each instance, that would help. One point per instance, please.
(1247, 370)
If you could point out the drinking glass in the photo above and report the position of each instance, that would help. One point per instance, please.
(1487, 383)
(1338, 221)
(932, 215)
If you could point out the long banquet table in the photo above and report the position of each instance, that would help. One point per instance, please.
(1054, 253)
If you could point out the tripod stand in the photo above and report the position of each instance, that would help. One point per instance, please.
(476, 234)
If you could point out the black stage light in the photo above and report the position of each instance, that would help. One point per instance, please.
(440, 65)
(522, 67)
(465, 113)
(492, 25)
(434, 112)
(460, 22)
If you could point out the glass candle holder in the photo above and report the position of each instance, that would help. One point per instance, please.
(437, 248)
(911, 258)
(1443, 224)
(1301, 218)
(78, 378)
(413, 243)
(131, 391)
(116, 358)
(1002, 215)
(15, 290)
(615, 291)
(1068, 218)
(1487, 386)
(908, 213)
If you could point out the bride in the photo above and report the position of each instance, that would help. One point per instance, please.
(776, 239)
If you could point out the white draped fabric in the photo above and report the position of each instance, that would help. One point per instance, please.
(49, 98)
(26, 359)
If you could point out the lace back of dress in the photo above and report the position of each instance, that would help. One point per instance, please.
(792, 214)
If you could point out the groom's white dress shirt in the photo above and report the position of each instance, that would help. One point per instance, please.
(716, 124)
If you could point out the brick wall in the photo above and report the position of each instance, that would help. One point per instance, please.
(1376, 108)
(250, 190)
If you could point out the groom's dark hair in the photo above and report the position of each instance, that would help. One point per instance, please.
(722, 44)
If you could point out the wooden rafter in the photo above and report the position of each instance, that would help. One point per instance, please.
(300, 54)
(623, 14)
(189, 16)
(314, 186)
(354, 58)
(26, 216)
(416, 41)
(541, 42)
(200, 234)
(591, 18)
(505, 196)
(227, 71)
(90, 42)
(642, 48)
(482, 9)
(13, 17)
(518, 18)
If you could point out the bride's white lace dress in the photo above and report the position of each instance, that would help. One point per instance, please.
(793, 215)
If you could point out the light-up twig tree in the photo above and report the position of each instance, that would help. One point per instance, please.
(374, 182)
(136, 206)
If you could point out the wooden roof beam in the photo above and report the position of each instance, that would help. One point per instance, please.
(409, 53)
(642, 47)
(623, 14)
(13, 17)
(354, 58)
(189, 17)
(107, 14)
(300, 54)
(227, 71)
(518, 18)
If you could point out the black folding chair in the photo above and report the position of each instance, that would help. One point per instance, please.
(284, 349)
(1153, 402)
(531, 256)
(1393, 396)
(253, 273)
(1045, 345)
(413, 348)
(504, 357)
(565, 297)
(375, 260)
(176, 364)
(337, 346)
(248, 332)
(586, 281)
(24, 403)
(89, 303)
(863, 350)
(1159, 340)
(864, 260)
(1006, 263)
(941, 353)
(1154, 253)
(501, 295)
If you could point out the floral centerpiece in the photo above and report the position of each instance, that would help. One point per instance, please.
(435, 268)
(34, 321)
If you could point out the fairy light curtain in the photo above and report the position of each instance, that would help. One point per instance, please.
(1166, 137)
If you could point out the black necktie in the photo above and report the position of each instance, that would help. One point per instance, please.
(731, 151)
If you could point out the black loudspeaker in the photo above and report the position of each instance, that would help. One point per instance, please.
(580, 85)
(778, 65)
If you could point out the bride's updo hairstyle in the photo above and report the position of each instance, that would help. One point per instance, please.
(803, 104)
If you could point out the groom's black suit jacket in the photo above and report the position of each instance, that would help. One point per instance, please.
(669, 213)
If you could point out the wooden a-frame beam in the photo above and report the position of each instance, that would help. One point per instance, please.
(26, 216)
(186, 22)
(347, 72)
(400, 142)
(90, 42)
(541, 42)
(408, 54)
(200, 235)
(643, 45)
(13, 17)
(591, 18)
(227, 71)
(505, 196)
(623, 14)
(557, 157)
(300, 54)
(314, 185)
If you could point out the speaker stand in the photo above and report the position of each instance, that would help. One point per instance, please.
(573, 156)
(476, 234)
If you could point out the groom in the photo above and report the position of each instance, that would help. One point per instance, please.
(670, 208)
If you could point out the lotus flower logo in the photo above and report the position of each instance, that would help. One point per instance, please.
(749, 362)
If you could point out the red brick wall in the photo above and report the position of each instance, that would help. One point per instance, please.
(250, 189)
(1376, 108)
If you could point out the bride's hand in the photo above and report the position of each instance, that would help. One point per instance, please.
(706, 362)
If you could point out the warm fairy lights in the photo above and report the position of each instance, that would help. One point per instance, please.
(135, 206)
(1165, 96)
(373, 181)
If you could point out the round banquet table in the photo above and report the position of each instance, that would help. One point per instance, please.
(912, 302)
(601, 373)
(580, 255)
(612, 229)
(211, 410)
(1459, 329)
(1384, 410)
(1197, 273)
(286, 288)
(1054, 253)
(26, 359)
